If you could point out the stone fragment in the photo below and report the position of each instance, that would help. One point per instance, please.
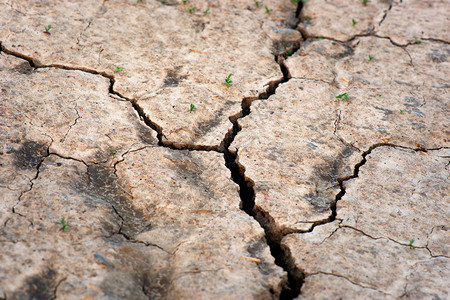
(334, 19)
(45, 259)
(163, 225)
(388, 237)
(411, 192)
(397, 105)
(315, 60)
(67, 112)
(431, 61)
(439, 241)
(167, 56)
(191, 209)
(410, 21)
(377, 268)
(288, 147)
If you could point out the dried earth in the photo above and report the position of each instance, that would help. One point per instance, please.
(131, 169)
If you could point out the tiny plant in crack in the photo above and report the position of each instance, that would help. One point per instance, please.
(370, 58)
(112, 152)
(258, 3)
(365, 2)
(411, 246)
(118, 69)
(191, 108)
(192, 10)
(417, 40)
(228, 80)
(206, 11)
(47, 29)
(63, 224)
(343, 96)
(288, 52)
(402, 111)
(354, 22)
(268, 10)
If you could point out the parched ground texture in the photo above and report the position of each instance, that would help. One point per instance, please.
(225, 149)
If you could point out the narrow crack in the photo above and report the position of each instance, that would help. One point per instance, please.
(55, 290)
(351, 281)
(385, 15)
(140, 111)
(38, 166)
(435, 40)
(73, 124)
(132, 240)
(355, 174)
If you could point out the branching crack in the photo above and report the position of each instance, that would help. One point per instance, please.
(38, 166)
(341, 181)
(282, 255)
(73, 124)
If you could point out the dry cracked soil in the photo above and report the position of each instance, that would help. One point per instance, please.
(224, 149)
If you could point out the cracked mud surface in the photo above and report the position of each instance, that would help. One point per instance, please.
(321, 172)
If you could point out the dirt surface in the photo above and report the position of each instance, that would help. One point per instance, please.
(224, 150)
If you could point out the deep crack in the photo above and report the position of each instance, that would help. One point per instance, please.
(282, 255)
(273, 234)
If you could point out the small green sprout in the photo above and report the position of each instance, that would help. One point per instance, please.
(320, 37)
(342, 96)
(118, 69)
(370, 58)
(127, 88)
(192, 10)
(206, 11)
(379, 95)
(64, 224)
(307, 18)
(2, 165)
(184, 2)
(402, 111)
(354, 22)
(288, 52)
(163, 1)
(365, 2)
(228, 80)
(191, 108)
(112, 152)
(258, 3)
(47, 29)
(267, 9)
(411, 246)
(417, 40)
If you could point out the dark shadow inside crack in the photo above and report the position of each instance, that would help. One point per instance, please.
(273, 234)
